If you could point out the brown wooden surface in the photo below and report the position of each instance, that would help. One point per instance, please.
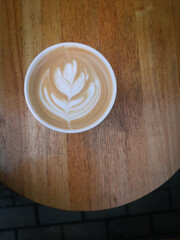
(137, 147)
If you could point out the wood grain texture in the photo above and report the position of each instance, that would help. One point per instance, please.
(137, 147)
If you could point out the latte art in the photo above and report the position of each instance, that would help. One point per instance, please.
(69, 107)
(70, 87)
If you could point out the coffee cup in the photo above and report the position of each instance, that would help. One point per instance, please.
(70, 87)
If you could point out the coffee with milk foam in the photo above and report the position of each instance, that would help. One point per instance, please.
(70, 88)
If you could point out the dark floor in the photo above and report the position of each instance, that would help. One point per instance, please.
(155, 216)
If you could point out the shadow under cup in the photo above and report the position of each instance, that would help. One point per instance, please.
(70, 87)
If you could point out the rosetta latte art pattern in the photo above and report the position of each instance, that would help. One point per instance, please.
(78, 101)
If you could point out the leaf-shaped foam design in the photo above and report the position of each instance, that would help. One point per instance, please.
(59, 102)
(70, 108)
(46, 101)
(78, 85)
(66, 83)
(93, 94)
(73, 103)
(70, 71)
(61, 83)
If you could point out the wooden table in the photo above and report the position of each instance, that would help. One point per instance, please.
(137, 147)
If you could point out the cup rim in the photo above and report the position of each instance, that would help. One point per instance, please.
(38, 58)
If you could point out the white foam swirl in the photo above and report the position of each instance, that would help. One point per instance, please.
(71, 107)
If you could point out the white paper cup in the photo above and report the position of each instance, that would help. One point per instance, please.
(32, 67)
